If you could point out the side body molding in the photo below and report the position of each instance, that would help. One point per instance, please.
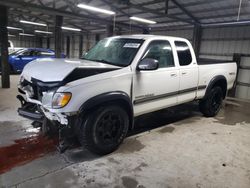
(117, 97)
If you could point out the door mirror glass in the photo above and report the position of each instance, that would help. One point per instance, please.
(148, 64)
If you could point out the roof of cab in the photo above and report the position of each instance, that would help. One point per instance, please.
(146, 36)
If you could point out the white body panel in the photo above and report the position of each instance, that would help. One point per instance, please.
(51, 69)
(158, 82)
(136, 84)
(208, 72)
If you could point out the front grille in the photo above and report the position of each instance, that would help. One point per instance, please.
(37, 92)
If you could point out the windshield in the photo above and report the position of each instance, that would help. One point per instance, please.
(17, 52)
(115, 51)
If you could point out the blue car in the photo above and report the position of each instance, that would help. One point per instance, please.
(20, 58)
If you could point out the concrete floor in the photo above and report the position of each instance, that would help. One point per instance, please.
(170, 148)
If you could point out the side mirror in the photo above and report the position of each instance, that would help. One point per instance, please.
(148, 64)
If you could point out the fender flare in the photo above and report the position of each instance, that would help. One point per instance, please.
(109, 97)
(213, 81)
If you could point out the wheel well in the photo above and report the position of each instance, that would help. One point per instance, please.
(120, 102)
(222, 83)
(123, 104)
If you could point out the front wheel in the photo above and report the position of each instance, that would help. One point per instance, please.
(213, 102)
(103, 130)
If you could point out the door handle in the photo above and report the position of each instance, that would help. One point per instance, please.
(184, 73)
(173, 74)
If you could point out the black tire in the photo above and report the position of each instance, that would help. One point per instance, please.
(211, 105)
(103, 130)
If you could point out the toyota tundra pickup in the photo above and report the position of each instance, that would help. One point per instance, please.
(97, 97)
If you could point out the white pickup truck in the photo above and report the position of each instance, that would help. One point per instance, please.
(97, 97)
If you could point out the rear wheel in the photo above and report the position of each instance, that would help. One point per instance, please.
(213, 102)
(104, 129)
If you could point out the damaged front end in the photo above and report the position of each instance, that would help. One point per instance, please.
(36, 98)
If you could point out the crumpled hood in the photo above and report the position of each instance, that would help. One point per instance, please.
(55, 70)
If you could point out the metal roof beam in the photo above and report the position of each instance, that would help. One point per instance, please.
(225, 24)
(188, 4)
(20, 14)
(185, 11)
(228, 7)
(53, 11)
(156, 12)
(106, 2)
(223, 16)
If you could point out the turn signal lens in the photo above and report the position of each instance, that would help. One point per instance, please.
(61, 99)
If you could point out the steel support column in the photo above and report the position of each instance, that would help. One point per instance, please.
(48, 42)
(197, 35)
(39, 42)
(58, 36)
(237, 59)
(145, 31)
(109, 30)
(80, 46)
(87, 42)
(68, 46)
(166, 6)
(4, 47)
(97, 38)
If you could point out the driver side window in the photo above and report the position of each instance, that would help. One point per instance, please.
(26, 53)
(161, 51)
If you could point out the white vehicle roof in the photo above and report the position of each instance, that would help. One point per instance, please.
(146, 37)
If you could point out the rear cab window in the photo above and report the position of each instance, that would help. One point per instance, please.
(184, 53)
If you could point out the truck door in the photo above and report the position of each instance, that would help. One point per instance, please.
(188, 72)
(156, 89)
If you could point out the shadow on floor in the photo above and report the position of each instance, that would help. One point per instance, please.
(164, 117)
(142, 124)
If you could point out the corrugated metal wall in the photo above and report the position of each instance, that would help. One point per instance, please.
(23, 41)
(225, 41)
(243, 81)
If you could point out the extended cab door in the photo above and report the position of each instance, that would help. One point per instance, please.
(156, 89)
(188, 72)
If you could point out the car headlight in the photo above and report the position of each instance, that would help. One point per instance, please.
(61, 99)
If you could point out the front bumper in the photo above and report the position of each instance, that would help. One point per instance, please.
(35, 112)
(29, 110)
(34, 109)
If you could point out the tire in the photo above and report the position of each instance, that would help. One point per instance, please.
(104, 129)
(48, 128)
(211, 105)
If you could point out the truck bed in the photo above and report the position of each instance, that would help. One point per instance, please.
(204, 61)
